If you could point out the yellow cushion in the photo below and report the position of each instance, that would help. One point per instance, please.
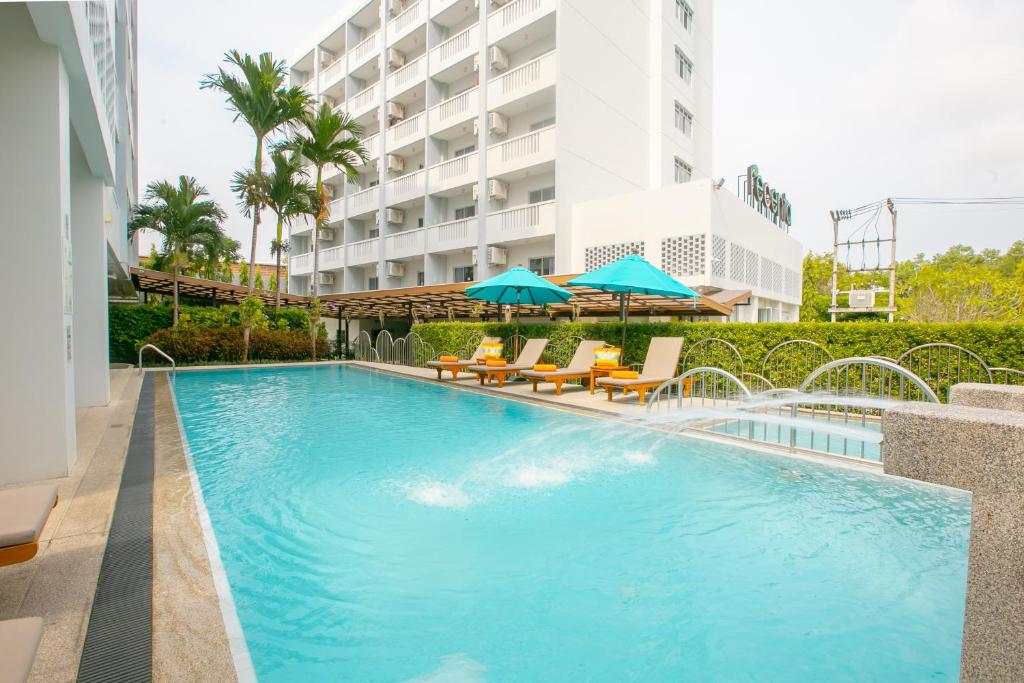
(624, 374)
(608, 353)
(545, 367)
(449, 359)
(606, 363)
(491, 363)
(492, 350)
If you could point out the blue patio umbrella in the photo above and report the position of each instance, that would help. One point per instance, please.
(633, 275)
(518, 286)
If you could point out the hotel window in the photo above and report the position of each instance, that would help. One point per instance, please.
(550, 121)
(684, 119)
(543, 265)
(372, 282)
(420, 279)
(464, 151)
(464, 212)
(373, 232)
(373, 183)
(683, 171)
(545, 194)
(684, 13)
(463, 274)
(684, 66)
(419, 222)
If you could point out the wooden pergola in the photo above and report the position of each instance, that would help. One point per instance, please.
(447, 301)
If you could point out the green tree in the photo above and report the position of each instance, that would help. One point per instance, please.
(817, 287)
(289, 196)
(226, 272)
(259, 281)
(243, 273)
(187, 222)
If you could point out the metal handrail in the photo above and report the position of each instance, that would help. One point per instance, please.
(158, 350)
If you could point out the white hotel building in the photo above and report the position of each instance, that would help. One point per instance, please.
(489, 121)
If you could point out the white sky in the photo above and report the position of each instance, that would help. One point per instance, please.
(840, 103)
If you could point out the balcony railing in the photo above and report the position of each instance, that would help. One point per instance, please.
(522, 81)
(405, 244)
(407, 130)
(331, 73)
(363, 201)
(516, 15)
(362, 252)
(522, 222)
(406, 21)
(364, 50)
(460, 234)
(460, 46)
(454, 172)
(301, 264)
(406, 77)
(521, 152)
(363, 101)
(454, 110)
(407, 187)
(371, 143)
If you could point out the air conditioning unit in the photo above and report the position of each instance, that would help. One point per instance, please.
(326, 278)
(497, 124)
(497, 190)
(476, 191)
(498, 58)
(862, 298)
(396, 269)
(396, 112)
(325, 234)
(396, 58)
(392, 216)
(497, 256)
(395, 163)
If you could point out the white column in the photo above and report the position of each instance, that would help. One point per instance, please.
(37, 408)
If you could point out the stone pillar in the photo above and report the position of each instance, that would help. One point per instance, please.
(997, 396)
(980, 450)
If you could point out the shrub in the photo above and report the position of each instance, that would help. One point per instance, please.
(189, 345)
(130, 325)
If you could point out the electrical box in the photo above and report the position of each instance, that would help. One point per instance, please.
(862, 298)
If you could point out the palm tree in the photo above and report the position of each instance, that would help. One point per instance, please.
(332, 139)
(187, 221)
(289, 195)
(278, 249)
(260, 99)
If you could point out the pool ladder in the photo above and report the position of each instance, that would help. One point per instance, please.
(156, 348)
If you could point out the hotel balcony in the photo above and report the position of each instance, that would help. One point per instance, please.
(529, 79)
(301, 264)
(405, 188)
(363, 52)
(364, 102)
(405, 244)
(452, 236)
(521, 224)
(371, 143)
(524, 151)
(408, 21)
(363, 252)
(516, 16)
(332, 73)
(364, 202)
(453, 58)
(439, 9)
(454, 173)
(337, 211)
(446, 118)
(407, 77)
(332, 258)
(406, 132)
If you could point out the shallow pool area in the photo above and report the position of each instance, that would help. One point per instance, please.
(376, 528)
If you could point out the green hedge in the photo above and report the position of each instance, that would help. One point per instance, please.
(130, 325)
(998, 344)
(224, 345)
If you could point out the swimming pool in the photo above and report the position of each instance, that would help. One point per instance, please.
(374, 528)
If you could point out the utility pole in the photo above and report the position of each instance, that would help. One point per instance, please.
(835, 263)
(892, 273)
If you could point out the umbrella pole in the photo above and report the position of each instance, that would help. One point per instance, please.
(518, 294)
(625, 320)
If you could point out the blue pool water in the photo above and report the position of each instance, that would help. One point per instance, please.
(810, 439)
(379, 529)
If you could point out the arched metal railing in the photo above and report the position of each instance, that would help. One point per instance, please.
(868, 377)
(698, 387)
(714, 353)
(786, 364)
(1007, 376)
(513, 344)
(362, 348)
(757, 384)
(942, 365)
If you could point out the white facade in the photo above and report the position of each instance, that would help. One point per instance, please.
(706, 237)
(67, 182)
(572, 100)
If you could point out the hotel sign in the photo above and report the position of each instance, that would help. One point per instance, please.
(767, 200)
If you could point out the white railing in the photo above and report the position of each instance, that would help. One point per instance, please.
(452, 235)
(308, 85)
(156, 349)
(336, 209)
(453, 172)
(301, 264)
(406, 187)
(332, 258)
(364, 49)
(522, 151)
(363, 201)
(405, 20)
(406, 77)
(454, 110)
(363, 251)
(523, 80)
(333, 70)
(363, 100)
(408, 128)
(457, 47)
(407, 243)
(521, 222)
(514, 15)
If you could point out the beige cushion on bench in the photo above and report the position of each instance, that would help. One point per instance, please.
(23, 513)
(19, 640)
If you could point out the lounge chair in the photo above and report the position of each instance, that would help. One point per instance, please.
(528, 357)
(19, 641)
(23, 514)
(578, 368)
(455, 367)
(660, 366)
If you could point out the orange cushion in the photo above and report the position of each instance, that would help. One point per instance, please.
(545, 367)
(449, 359)
(624, 374)
(496, 363)
(606, 363)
